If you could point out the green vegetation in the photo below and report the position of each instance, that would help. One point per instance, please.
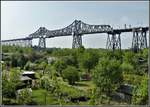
(71, 74)
(74, 76)
(107, 76)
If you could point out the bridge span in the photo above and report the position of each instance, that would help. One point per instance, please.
(78, 28)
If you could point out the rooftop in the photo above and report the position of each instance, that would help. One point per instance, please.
(23, 78)
(28, 72)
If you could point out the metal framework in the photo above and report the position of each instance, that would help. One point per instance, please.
(77, 41)
(22, 42)
(77, 37)
(77, 29)
(113, 41)
(42, 42)
(139, 40)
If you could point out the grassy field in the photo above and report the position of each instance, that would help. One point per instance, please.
(40, 95)
(85, 85)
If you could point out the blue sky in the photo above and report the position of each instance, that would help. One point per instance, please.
(19, 19)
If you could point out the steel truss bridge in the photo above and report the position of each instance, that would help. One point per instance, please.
(77, 29)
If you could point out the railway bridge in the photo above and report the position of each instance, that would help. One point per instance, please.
(78, 29)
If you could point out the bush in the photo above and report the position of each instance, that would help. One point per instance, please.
(140, 93)
(126, 67)
(60, 65)
(24, 96)
(10, 83)
(107, 76)
(71, 74)
(47, 83)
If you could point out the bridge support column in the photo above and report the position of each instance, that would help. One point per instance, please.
(139, 40)
(113, 41)
(77, 41)
(42, 42)
(30, 43)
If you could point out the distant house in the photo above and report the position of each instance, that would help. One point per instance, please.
(29, 74)
(28, 79)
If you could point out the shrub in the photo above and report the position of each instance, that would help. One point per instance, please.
(71, 74)
(24, 96)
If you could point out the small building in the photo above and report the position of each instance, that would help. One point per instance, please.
(28, 79)
(26, 82)
(29, 74)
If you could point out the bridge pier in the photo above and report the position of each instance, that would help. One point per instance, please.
(139, 40)
(77, 38)
(113, 41)
(77, 41)
(42, 42)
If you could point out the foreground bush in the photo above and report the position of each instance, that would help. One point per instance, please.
(71, 74)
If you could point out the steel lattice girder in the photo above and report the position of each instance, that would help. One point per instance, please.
(18, 42)
(139, 40)
(42, 42)
(77, 41)
(77, 27)
(113, 41)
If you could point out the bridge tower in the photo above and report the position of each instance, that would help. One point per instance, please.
(42, 39)
(113, 41)
(30, 43)
(77, 41)
(42, 42)
(139, 40)
(77, 38)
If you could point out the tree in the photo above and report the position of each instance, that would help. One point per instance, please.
(31, 66)
(145, 53)
(27, 66)
(22, 60)
(70, 60)
(89, 60)
(107, 76)
(129, 57)
(43, 66)
(60, 66)
(8, 89)
(14, 61)
(9, 84)
(24, 96)
(81, 49)
(71, 74)
(47, 83)
(140, 93)
(127, 68)
(117, 54)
